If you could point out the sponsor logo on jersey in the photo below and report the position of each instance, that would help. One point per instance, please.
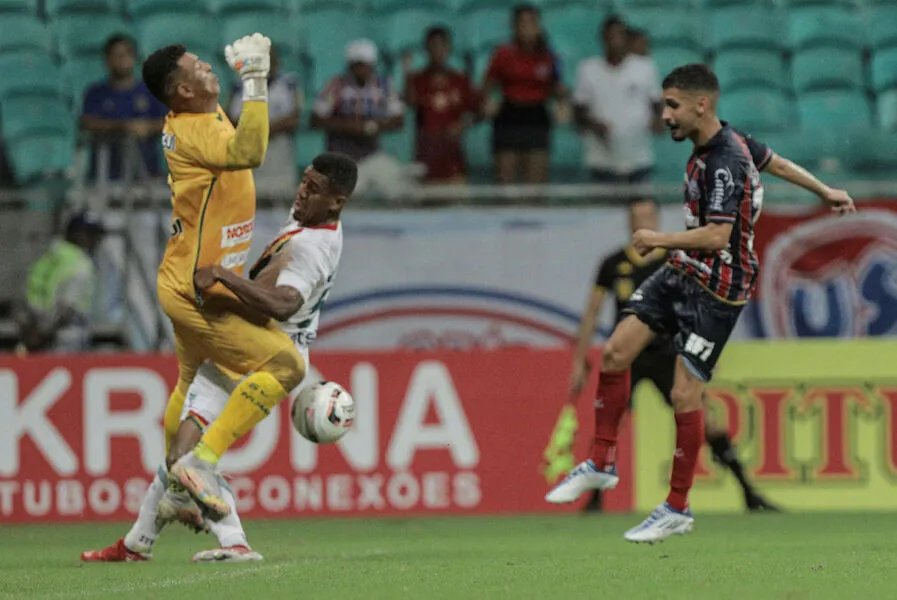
(234, 259)
(168, 142)
(236, 234)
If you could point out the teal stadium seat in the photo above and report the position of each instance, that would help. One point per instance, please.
(827, 67)
(757, 110)
(746, 27)
(834, 109)
(24, 6)
(800, 3)
(55, 8)
(83, 33)
(882, 25)
(667, 27)
(223, 7)
(41, 154)
(328, 32)
(21, 116)
(886, 104)
(405, 28)
(566, 154)
(884, 69)
(23, 32)
(190, 29)
(388, 6)
(30, 74)
(400, 144)
(467, 6)
(142, 8)
(825, 26)
(668, 58)
(478, 148)
(871, 152)
(670, 159)
(572, 33)
(805, 147)
(309, 143)
(625, 5)
(486, 27)
(80, 73)
(282, 31)
(741, 68)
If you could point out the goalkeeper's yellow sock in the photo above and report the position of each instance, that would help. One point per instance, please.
(250, 402)
(173, 416)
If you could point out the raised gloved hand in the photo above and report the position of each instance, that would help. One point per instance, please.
(250, 56)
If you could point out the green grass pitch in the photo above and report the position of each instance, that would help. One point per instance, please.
(789, 557)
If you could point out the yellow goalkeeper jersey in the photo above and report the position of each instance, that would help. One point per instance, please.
(213, 208)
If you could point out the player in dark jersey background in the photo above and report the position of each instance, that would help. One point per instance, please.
(620, 274)
(696, 297)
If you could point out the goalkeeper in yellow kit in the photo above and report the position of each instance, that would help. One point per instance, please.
(213, 200)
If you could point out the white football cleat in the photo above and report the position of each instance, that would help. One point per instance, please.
(663, 522)
(234, 554)
(584, 477)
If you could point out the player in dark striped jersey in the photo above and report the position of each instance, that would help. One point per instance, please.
(696, 297)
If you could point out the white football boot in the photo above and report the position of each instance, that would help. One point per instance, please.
(584, 477)
(234, 554)
(662, 523)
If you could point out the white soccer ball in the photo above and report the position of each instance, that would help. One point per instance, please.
(324, 412)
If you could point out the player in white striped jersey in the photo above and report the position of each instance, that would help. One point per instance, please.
(290, 283)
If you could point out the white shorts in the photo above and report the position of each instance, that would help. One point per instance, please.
(211, 389)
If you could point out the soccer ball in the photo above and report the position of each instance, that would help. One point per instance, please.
(323, 413)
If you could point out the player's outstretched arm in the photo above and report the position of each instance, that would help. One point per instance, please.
(278, 302)
(710, 238)
(250, 57)
(839, 200)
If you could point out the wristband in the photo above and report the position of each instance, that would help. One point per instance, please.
(255, 89)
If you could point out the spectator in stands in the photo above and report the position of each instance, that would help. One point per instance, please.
(120, 110)
(617, 106)
(528, 75)
(639, 43)
(354, 108)
(277, 175)
(60, 290)
(443, 99)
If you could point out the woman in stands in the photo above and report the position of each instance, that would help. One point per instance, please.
(527, 74)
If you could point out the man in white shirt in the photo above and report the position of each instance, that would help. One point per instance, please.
(617, 103)
(289, 283)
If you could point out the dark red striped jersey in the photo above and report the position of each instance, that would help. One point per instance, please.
(722, 185)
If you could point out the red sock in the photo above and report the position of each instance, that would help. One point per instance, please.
(689, 439)
(611, 402)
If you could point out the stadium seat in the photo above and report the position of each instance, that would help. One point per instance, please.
(825, 26)
(800, 3)
(745, 27)
(750, 68)
(884, 69)
(55, 8)
(466, 6)
(486, 27)
(328, 32)
(41, 154)
(190, 29)
(757, 110)
(805, 147)
(400, 144)
(670, 159)
(405, 28)
(573, 33)
(309, 143)
(882, 26)
(870, 151)
(389, 6)
(86, 33)
(668, 58)
(625, 5)
(22, 116)
(478, 148)
(886, 107)
(666, 27)
(25, 6)
(143, 8)
(818, 68)
(227, 6)
(834, 109)
(23, 32)
(566, 154)
(26, 73)
(275, 25)
(79, 74)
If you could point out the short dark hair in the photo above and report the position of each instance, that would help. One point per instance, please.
(340, 170)
(118, 38)
(438, 31)
(611, 21)
(635, 32)
(159, 69)
(695, 77)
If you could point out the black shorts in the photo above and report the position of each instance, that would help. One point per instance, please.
(521, 127)
(657, 366)
(672, 303)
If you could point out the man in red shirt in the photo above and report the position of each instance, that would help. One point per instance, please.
(442, 99)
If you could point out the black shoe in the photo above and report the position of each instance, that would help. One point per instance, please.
(594, 503)
(757, 503)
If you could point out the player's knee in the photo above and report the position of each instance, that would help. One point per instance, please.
(187, 436)
(614, 358)
(686, 398)
(287, 367)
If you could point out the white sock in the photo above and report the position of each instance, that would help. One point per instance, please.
(143, 532)
(229, 530)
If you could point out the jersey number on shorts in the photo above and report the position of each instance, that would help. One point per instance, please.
(698, 346)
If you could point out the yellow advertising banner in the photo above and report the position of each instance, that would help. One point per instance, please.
(815, 423)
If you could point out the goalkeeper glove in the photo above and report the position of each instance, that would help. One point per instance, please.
(250, 57)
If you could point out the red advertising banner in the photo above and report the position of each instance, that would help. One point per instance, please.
(826, 275)
(448, 432)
